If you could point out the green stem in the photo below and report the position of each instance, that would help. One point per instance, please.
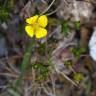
(25, 61)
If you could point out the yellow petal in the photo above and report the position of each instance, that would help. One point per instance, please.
(32, 20)
(43, 21)
(30, 31)
(40, 33)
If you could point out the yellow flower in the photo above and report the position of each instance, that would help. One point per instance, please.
(36, 26)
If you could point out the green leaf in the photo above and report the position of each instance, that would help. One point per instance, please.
(78, 77)
(77, 24)
(68, 64)
(4, 15)
(65, 28)
(77, 51)
(5, 9)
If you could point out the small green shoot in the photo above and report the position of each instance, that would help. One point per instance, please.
(65, 28)
(78, 77)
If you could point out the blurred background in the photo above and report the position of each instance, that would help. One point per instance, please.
(63, 63)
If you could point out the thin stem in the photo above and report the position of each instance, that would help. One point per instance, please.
(25, 61)
(71, 81)
(53, 11)
(43, 1)
(48, 7)
(9, 75)
(53, 84)
(46, 51)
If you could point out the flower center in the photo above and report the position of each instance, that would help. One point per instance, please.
(35, 26)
